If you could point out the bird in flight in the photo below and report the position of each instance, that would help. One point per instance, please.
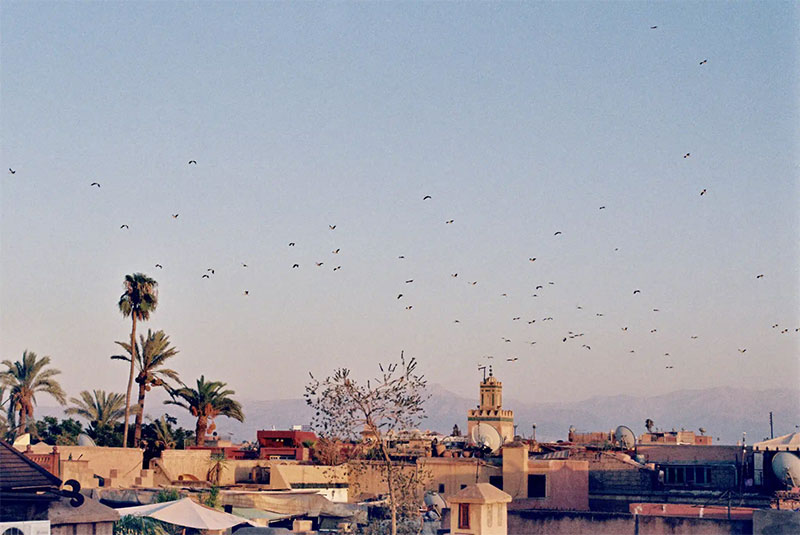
(449, 221)
(456, 321)
(175, 216)
(295, 266)
(124, 226)
(336, 251)
(337, 268)
(653, 27)
(742, 350)
(760, 276)
(531, 322)
(473, 283)
(159, 266)
(624, 328)
(409, 281)
(557, 233)
(319, 264)
(454, 275)
(192, 162)
(244, 265)
(599, 315)
(401, 257)
(94, 184)
(703, 192)
(637, 292)
(205, 276)
(587, 347)
(694, 337)
(291, 244)
(532, 259)
(512, 359)
(687, 155)
(704, 62)
(211, 270)
(670, 367)
(539, 287)
(602, 208)
(655, 310)
(12, 171)
(409, 307)
(246, 292)
(399, 296)
(515, 319)
(426, 197)
(332, 227)
(653, 330)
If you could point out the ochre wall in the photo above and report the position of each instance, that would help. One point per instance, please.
(126, 461)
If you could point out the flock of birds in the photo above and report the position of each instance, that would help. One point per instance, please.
(539, 289)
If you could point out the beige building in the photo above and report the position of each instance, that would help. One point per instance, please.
(490, 411)
(479, 509)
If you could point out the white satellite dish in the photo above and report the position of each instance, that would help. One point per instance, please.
(485, 435)
(85, 440)
(625, 437)
(22, 440)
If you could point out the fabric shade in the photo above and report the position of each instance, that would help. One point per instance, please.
(185, 513)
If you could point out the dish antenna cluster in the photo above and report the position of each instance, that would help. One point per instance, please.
(486, 436)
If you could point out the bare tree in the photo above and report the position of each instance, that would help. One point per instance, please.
(381, 407)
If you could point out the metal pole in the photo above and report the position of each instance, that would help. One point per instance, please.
(771, 434)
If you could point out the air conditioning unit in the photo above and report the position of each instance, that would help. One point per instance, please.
(31, 527)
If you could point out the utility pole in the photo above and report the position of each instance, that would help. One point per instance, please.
(771, 434)
(534, 432)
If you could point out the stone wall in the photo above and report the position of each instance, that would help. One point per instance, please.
(592, 523)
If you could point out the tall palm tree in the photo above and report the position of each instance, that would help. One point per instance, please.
(24, 380)
(138, 301)
(151, 354)
(206, 402)
(101, 409)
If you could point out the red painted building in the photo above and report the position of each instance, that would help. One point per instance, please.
(287, 444)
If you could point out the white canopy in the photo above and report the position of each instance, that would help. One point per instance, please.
(185, 513)
(790, 442)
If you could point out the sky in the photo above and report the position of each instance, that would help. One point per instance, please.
(519, 120)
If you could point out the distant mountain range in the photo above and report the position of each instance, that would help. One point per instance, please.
(725, 413)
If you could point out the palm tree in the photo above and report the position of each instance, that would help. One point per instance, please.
(101, 409)
(24, 380)
(206, 402)
(649, 425)
(151, 353)
(140, 298)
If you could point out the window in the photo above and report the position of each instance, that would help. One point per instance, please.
(441, 488)
(463, 516)
(463, 486)
(537, 486)
(688, 476)
(496, 481)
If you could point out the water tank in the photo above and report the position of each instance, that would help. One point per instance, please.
(786, 467)
(625, 437)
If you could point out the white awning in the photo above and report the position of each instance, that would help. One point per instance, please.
(185, 513)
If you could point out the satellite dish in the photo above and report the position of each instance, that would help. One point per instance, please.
(624, 437)
(23, 440)
(786, 467)
(85, 440)
(485, 435)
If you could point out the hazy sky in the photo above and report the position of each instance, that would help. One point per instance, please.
(518, 119)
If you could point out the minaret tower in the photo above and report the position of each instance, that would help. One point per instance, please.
(490, 411)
